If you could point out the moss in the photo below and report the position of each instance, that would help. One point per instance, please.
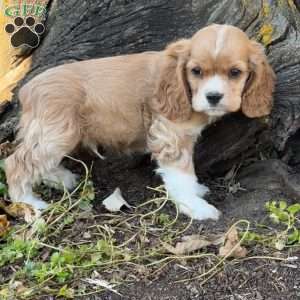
(266, 9)
(265, 34)
(291, 4)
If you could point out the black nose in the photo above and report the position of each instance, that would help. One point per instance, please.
(214, 98)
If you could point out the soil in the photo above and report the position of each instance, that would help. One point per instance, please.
(259, 279)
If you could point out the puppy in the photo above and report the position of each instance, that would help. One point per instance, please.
(156, 102)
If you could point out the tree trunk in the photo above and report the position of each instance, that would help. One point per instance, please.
(79, 30)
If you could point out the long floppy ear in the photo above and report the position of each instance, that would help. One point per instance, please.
(172, 97)
(257, 96)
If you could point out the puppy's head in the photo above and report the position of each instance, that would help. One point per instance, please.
(219, 70)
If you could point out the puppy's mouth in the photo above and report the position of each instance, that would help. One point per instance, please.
(215, 111)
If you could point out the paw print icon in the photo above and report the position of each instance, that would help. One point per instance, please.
(25, 32)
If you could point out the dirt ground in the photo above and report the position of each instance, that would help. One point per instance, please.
(258, 279)
(264, 274)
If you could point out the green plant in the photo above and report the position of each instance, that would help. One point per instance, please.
(15, 249)
(288, 216)
(287, 231)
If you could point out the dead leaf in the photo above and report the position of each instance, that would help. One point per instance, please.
(192, 243)
(20, 210)
(231, 240)
(4, 225)
(115, 201)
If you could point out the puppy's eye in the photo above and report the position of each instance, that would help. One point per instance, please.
(234, 73)
(196, 71)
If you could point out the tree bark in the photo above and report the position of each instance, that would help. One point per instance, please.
(79, 30)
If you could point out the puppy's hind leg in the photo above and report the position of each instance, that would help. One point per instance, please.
(43, 146)
(21, 174)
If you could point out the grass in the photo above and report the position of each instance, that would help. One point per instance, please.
(70, 251)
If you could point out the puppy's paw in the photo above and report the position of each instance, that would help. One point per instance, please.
(35, 202)
(70, 180)
(207, 211)
(61, 178)
(202, 190)
(40, 204)
(199, 209)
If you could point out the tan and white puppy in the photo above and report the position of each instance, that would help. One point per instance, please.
(156, 102)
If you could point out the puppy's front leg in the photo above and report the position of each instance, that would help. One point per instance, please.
(174, 154)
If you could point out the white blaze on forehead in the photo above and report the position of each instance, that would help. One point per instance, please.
(220, 39)
(214, 84)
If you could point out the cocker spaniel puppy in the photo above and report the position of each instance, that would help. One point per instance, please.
(156, 102)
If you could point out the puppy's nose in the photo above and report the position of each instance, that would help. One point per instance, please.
(214, 98)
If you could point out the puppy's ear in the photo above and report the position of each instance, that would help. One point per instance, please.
(172, 97)
(257, 95)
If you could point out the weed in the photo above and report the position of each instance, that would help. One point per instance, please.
(287, 232)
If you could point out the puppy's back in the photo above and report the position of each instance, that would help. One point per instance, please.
(105, 96)
(116, 77)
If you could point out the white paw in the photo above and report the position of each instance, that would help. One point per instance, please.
(35, 202)
(61, 178)
(202, 190)
(199, 209)
(40, 204)
(70, 181)
(206, 212)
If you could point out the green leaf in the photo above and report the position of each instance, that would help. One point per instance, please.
(282, 205)
(278, 215)
(39, 226)
(69, 256)
(55, 259)
(85, 205)
(280, 244)
(69, 220)
(164, 219)
(293, 209)
(62, 275)
(293, 237)
(16, 249)
(41, 272)
(66, 292)
(252, 236)
(271, 205)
